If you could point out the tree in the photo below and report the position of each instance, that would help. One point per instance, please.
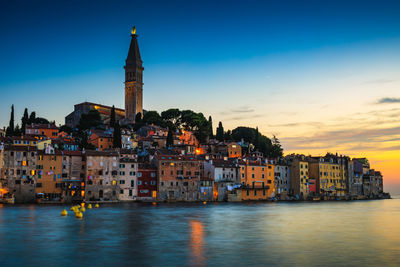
(92, 119)
(17, 131)
(24, 120)
(152, 117)
(256, 141)
(228, 135)
(112, 117)
(173, 116)
(10, 129)
(170, 137)
(277, 150)
(67, 129)
(138, 117)
(117, 136)
(210, 126)
(220, 132)
(32, 117)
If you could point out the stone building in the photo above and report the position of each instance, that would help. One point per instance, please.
(72, 120)
(178, 177)
(225, 175)
(299, 176)
(18, 174)
(73, 176)
(128, 168)
(101, 176)
(282, 179)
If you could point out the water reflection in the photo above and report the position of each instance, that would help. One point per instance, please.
(237, 234)
(197, 242)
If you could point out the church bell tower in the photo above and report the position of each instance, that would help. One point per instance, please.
(133, 80)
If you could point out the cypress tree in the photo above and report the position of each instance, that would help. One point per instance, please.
(170, 137)
(10, 128)
(220, 132)
(24, 120)
(257, 139)
(117, 136)
(32, 117)
(210, 131)
(112, 117)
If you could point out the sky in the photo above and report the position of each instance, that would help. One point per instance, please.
(324, 76)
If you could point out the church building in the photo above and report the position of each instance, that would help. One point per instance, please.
(133, 92)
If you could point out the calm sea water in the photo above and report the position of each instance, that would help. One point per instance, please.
(359, 233)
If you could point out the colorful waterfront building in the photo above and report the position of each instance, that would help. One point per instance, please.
(234, 150)
(101, 176)
(147, 183)
(128, 169)
(49, 167)
(18, 172)
(299, 177)
(178, 177)
(257, 179)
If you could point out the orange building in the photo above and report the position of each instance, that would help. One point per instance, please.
(37, 129)
(258, 180)
(101, 140)
(234, 150)
(49, 169)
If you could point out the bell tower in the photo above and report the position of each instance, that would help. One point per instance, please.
(133, 80)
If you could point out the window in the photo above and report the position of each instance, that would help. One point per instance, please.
(37, 184)
(153, 174)
(152, 182)
(139, 182)
(132, 173)
(268, 181)
(139, 174)
(121, 181)
(121, 191)
(122, 165)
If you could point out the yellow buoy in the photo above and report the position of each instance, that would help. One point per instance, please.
(73, 208)
(64, 212)
(204, 202)
(96, 206)
(89, 206)
(83, 209)
(79, 215)
(154, 203)
(83, 204)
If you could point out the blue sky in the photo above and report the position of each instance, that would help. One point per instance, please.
(293, 68)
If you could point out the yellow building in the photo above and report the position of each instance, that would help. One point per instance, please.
(48, 175)
(258, 180)
(299, 178)
(330, 177)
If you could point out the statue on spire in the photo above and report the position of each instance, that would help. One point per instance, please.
(133, 31)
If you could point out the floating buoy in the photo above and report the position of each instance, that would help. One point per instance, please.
(73, 208)
(64, 212)
(83, 209)
(154, 203)
(204, 202)
(96, 206)
(89, 206)
(79, 215)
(83, 204)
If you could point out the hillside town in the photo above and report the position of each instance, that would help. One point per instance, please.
(108, 154)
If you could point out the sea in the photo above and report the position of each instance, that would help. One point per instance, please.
(336, 233)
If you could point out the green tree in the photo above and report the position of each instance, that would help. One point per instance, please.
(11, 128)
(32, 117)
(24, 120)
(117, 143)
(220, 132)
(210, 126)
(67, 129)
(228, 135)
(170, 137)
(17, 131)
(277, 150)
(256, 141)
(112, 117)
(138, 117)
(92, 119)
(152, 117)
(172, 116)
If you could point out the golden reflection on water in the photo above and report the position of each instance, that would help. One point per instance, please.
(197, 242)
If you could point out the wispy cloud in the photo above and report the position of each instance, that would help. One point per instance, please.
(379, 81)
(389, 100)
